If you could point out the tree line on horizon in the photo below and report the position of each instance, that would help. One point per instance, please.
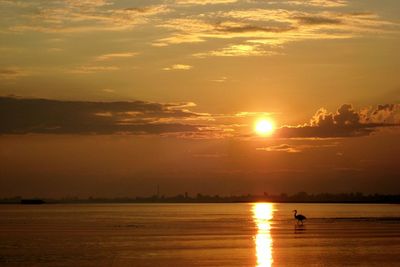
(303, 197)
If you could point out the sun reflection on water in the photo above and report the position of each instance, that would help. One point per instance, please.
(262, 214)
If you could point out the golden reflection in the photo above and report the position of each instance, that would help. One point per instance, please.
(262, 214)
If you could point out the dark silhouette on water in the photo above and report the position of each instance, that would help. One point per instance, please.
(299, 217)
(32, 201)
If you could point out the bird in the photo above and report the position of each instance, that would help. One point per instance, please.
(299, 217)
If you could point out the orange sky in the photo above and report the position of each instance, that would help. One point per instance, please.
(111, 98)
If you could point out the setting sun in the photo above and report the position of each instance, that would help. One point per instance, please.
(264, 127)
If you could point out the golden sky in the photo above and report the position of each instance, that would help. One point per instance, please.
(110, 98)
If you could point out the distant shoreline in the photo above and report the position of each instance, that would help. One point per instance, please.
(244, 202)
(301, 197)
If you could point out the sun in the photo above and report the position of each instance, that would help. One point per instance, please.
(264, 127)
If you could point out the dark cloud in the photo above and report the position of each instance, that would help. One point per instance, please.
(12, 73)
(345, 122)
(8, 72)
(146, 9)
(21, 116)
(252, 28)
(388, 113)
(316, 20)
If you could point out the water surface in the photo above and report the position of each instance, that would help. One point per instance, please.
(262, 234)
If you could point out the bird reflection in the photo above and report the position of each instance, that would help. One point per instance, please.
(262, 214)
(299, 228)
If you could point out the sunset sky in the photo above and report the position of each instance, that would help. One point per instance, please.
(112, 97)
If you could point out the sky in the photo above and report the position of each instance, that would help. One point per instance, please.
(110, 98)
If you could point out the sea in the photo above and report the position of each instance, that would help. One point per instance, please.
(237, 234)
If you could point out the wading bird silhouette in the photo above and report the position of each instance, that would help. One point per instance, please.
(299, 217)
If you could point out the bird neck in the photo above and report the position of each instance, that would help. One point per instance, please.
(295, 213)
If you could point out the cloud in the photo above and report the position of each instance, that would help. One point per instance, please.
(88, 69)
(318, 3)
(23, 116)
(75, 16)
(317, 20)
(178, 67)
(15, 3)
(280, 148)
(250, 31)
(13, 73)
(108, 90)
(95, 66)
(345, 122)
(230, 27)
(204, 2)
(387, 113)
(296, 148)
(238, 50)
(221, 79)
(88, 3)
(115, 56)
(264, 30)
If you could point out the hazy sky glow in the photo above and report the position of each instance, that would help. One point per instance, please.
(111, 98)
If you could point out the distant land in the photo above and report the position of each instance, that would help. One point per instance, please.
(301, 197)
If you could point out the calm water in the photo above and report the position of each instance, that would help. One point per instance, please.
(199, 235)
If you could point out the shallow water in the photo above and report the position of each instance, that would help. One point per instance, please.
(199, 235)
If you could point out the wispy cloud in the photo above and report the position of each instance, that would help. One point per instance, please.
(108, 90)
(228, 27)
(87, 69)
(13, 73)
(260, 31)
(204, 2)
(116, 56)
(297, 148)
(220, 79)
(83, 16)
(178, 67)
(317, 3)
(280, 148)
(238, 50)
